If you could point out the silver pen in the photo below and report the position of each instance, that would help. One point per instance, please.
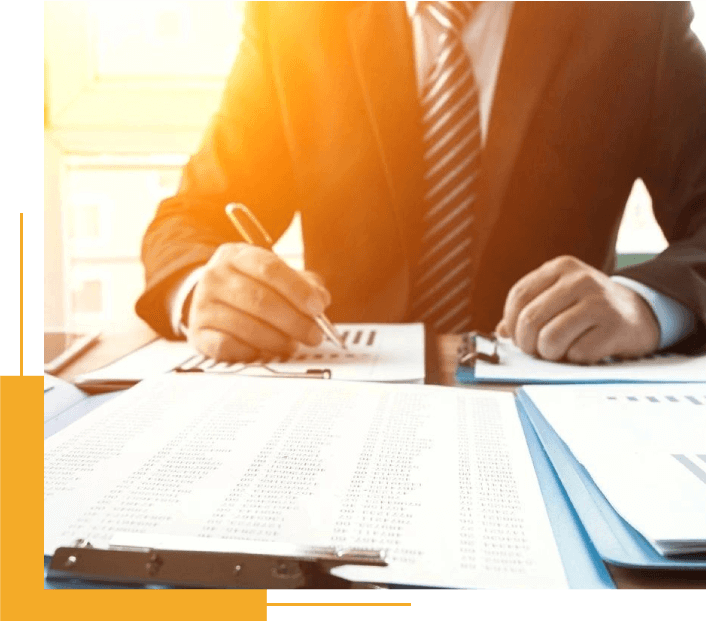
(253, 232)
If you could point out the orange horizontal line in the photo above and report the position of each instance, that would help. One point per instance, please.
(339, 604)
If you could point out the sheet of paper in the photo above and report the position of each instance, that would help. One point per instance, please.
(49, 382)
(159, 356)
(518, 367)
(440, 478)
(644, 447)
(375, 352)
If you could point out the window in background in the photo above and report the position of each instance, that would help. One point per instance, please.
(159, 42)
(107, 203)
(129, 90)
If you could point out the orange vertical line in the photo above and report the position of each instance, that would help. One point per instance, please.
(21, 296)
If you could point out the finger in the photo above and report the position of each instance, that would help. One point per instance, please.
(501, 329)
(593, 346)
(542, 309)
(253, 298)
(267, 268)
(247, 329)
(558, 335)
(317, 281)
(221, 346)
(525, 290)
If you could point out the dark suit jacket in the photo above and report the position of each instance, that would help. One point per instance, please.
(320, 116)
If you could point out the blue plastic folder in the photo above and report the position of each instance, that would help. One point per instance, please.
(616, 541)
(583, 565)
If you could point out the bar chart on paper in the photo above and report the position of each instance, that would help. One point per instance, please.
(374, 352)
(643, 445)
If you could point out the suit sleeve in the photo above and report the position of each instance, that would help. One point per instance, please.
(673, 169)
(243, 158)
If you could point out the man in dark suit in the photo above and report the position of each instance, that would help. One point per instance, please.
(338, 111)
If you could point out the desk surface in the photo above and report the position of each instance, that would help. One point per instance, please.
(440, 362)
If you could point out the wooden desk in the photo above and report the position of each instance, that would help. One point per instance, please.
(441, 357)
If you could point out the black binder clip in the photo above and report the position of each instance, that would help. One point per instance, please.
(283, 566)
(468, 352)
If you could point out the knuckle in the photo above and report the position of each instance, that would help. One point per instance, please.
(257, 300)
(527, 318)
(209, 343)
(269, 268)
(315, 278)
(577, 355)
(549, 345)
(584, 282)
(566, 262)
(225, 251)
(526, 346)
(210, 277)
(515, 292)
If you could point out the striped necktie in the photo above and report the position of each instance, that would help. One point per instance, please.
(452, 152)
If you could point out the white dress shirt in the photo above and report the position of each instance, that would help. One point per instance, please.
(484, 38)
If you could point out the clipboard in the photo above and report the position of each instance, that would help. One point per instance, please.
(475, 346)
(123, 566)
(484, 358)
(615, 540)
(279, 567)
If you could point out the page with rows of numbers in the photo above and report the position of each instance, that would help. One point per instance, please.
(440, 478)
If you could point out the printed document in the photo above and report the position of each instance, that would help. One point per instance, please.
(374, 352)
(644, 447)
(517, 367)
(440, 478)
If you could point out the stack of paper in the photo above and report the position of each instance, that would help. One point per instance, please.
(644, 447)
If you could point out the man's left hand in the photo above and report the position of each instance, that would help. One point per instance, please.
(568, 310)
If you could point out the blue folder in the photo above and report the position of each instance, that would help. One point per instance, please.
(617, 542)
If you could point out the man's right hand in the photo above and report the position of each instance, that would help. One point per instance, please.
(250, 304)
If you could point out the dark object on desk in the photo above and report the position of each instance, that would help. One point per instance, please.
(468, 354)
(295, 567)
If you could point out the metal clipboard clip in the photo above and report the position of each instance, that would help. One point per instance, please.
(469, 352)
(283, 566)
(202, 364)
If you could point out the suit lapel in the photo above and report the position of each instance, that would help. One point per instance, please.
(538, 34)
(381, 46)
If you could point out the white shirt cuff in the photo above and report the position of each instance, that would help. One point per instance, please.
(178, 296)
(674, 319)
